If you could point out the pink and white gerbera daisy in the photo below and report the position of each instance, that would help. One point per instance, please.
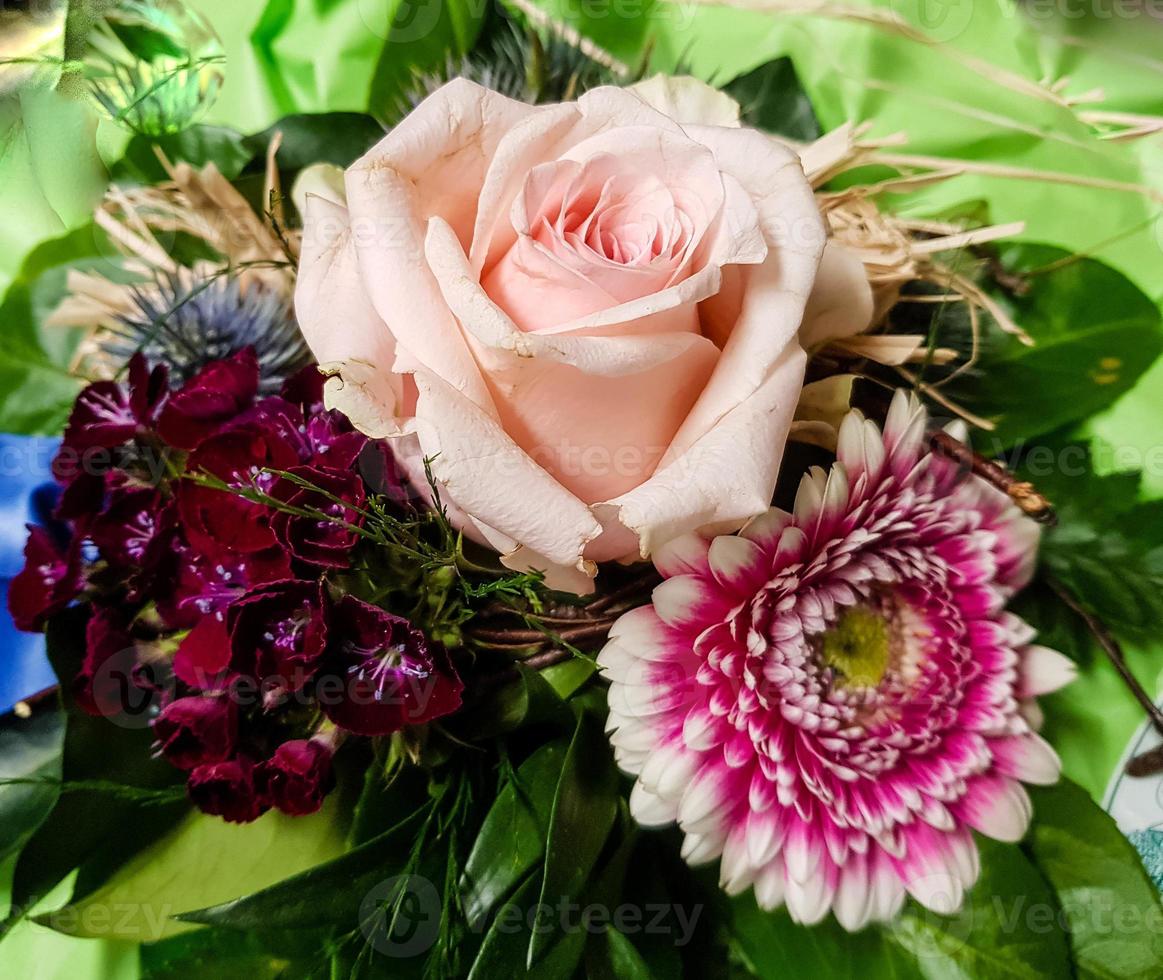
(831, 700)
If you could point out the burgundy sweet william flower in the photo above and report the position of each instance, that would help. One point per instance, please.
(215, 395)
(105, 685)
(49, 581)
(304, 389)
(227, 790)
(277, 633)
(389, 674)
(193, 589)
(123, 531)
(297, 777)
(239, 455)
(194, 731)
(108, 414)
(322, 541)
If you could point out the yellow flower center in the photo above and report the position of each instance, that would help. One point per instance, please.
(857, 647)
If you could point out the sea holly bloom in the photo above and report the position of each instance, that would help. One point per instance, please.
(834, 699)
(389, 674)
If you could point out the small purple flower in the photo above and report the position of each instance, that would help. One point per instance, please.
(49, 581)
(214, 396)
(108, 414)
(297, 777)
(389, 674)
(320, 541)
(194, 583)
(194, 731)
(123, 531)
(278, 633)
(304, 389)
(240, 456)
(227, 790)
(105, 684)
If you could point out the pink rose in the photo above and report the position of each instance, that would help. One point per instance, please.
(586, 314)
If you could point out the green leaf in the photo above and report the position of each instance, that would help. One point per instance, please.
(770, 98)
(512, 838)
(327, 893)
(510, 934)
(197, 146)
(326, 137)
(90, 826)
(203, 862)
(584, 807)
(775, 948)
(29, 749)
(1113, 909)
(36, 388)
(1094, 333)
(1009, 927)
(1107, 548)
(421, 36)
(210, 954)
(625, 961)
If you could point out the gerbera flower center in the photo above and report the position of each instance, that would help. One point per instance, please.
(857, 647)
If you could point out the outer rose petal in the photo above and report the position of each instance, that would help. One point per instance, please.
(841, 300)
(341, 326)
(688, 100)
(432, 164)
(725, 478)
(481, 465)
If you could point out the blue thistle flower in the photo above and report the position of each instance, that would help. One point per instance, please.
(187, 325)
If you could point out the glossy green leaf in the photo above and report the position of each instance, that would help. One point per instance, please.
(1094, 334)
(625, 961)
(1112, 908)
(327, 137)
(511, 841)
(585, 804)
(197, 146)
(203, 862)
(29, 749)
(90, 827)
(774, 948)
(327, 893)
(1009, 928)
(770, 98)
(515, 925)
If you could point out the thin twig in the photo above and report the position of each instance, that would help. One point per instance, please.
(1150, 762)
(1025, 495)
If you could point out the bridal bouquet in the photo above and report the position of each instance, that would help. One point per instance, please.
(561, 535)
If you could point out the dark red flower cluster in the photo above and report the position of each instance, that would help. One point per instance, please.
(204, 526)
